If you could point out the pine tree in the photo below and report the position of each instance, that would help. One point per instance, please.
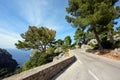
(36, 38)
(93, 13)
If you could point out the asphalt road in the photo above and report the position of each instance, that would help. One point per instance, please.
(90, 67)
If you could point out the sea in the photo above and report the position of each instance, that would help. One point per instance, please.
(21, 56)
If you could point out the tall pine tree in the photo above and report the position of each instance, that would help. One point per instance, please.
(95, 13)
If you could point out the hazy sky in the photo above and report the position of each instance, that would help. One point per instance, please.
(17, 15)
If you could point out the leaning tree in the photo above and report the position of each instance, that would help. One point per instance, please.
(36, 38)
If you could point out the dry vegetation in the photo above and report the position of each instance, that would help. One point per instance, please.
(109, 54)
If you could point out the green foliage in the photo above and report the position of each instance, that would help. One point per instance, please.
(67, 43)
(73, 45)
(6, 71)
(50, 50)
(82, 37)
(106, 43)
(59, 42)
(95, 13)
(36, 38)
(65, 48)
(94, 46)
(91, 12)
(67, 40)
(18, 70)
(79, 36)
(118, 30)
(117, 44)
(39, 59)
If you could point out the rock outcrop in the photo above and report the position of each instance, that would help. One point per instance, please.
(58, 50)
(92, 41)
(7, 64)
(61, 55)
(85, 47)
(34, 51)
(116, 52)
(116, 37)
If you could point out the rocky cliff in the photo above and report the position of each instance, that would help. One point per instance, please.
(7, 64)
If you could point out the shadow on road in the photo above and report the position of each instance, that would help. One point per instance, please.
(62, 71)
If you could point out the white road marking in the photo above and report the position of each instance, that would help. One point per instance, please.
(93, 75)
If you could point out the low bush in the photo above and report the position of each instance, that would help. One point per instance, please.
(106, 43)
(117, 44)
(38, 59)
(94, 46)
(73, 46)
(65, 48)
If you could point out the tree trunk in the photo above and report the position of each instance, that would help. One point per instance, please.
(84, 37)
(111, 38)
(44, 48)
(97, 38)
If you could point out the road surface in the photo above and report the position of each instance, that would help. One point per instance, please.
(90, 67)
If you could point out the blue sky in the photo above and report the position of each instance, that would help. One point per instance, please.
(17, 15)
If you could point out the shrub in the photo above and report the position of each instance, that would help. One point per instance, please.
(73, 46)
(94, 46)
(117, 44)
(50, 50)
(65, 48)
(38, 59)
(106, 43)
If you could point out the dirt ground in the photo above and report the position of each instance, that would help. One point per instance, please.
(109, 54)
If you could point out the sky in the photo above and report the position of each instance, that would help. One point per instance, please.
(17, 15)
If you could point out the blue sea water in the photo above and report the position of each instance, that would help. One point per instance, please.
(21, 56)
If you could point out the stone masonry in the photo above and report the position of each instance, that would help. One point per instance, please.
(45, 72)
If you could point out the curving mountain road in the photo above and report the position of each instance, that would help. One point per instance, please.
(90, 67)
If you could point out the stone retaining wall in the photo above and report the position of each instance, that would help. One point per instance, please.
(45, 72)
